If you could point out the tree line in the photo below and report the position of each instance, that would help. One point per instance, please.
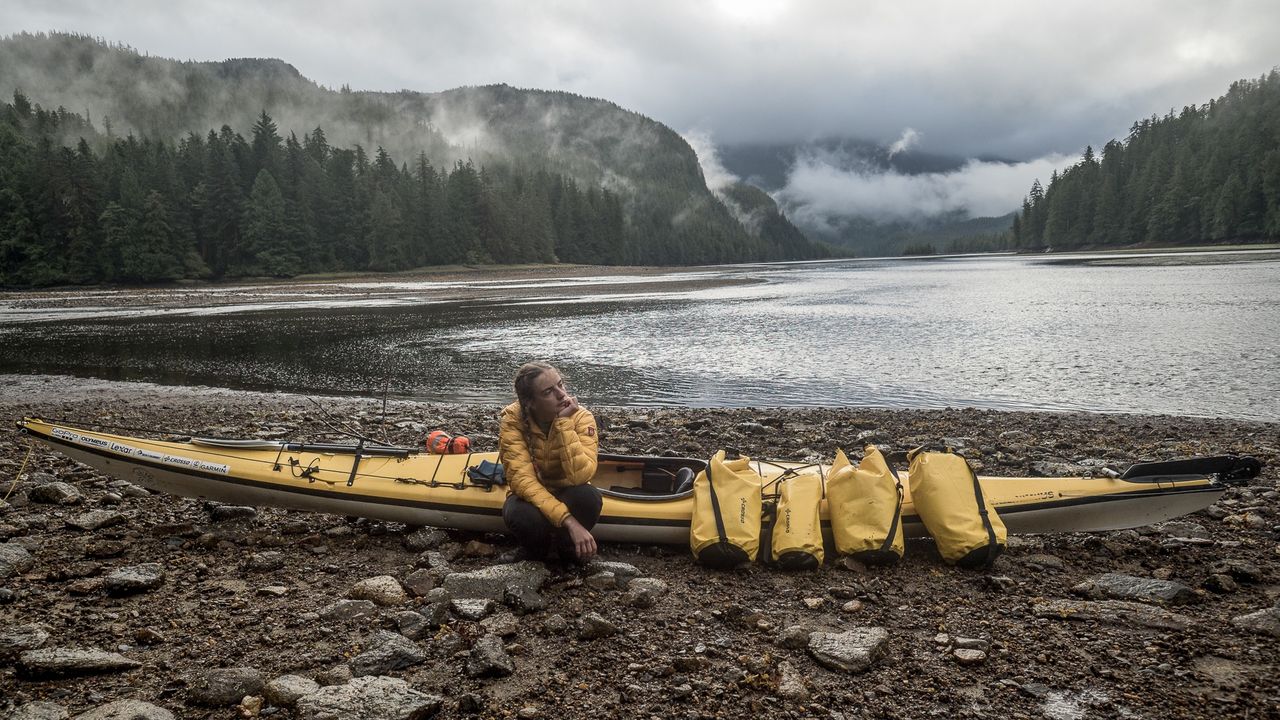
(79, 206)
(1209, 173)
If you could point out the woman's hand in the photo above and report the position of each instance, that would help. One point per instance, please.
(584, 543)
(568, 406)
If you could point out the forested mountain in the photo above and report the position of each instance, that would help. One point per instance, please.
(115, 166)
(1208, 173)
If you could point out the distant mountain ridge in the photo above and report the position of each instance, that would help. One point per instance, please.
(670, 216)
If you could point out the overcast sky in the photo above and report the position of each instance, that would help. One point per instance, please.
(1024, 80)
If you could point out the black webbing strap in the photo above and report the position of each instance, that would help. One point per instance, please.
(897, 511)
(356, 465)
(715, 507)
(982, 510)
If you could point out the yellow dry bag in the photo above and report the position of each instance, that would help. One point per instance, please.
(949, 500)
(725, 528)
(796, 541)
(865, 506)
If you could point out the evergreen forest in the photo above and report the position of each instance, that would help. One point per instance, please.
(1210, 173)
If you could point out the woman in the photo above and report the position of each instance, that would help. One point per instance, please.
(547, 444)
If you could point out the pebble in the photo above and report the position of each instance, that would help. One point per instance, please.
(386, 651)
(592, 626)
(97, 519)
(425, 539)
(287, 689)
(348, 610)
(489, 658)
(14, 559)
(969, 657)
(471, 608)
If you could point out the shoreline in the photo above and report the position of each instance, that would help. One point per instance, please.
(272, 591)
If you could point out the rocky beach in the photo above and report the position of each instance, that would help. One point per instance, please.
(116, 602)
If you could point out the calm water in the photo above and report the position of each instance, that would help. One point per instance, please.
(1188, 335)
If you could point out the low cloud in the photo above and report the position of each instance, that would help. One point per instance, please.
(713, 171)
(909, 138)
(819, 192)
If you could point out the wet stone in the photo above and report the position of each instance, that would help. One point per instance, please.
(592, 626)
(134, 579)
(348, 610)
(382, 590)
(40, 711)
(14, 559)
(97, 519)
(794, 637)
(852, 651)
(1112, 612)
(17, 639)
(387, 651)
(127, 710)
(1263, 622)
(66, 662)
(523, 599)
(286, 690)
(385, 698)
(102, 549)
(1128, 587)
(225, 686)
(232, 512)
(54, 493)
(489, 658)
(420, 582)
(471, 608)
(266, 561)
(492, 582)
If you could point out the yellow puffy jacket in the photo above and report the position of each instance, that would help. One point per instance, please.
(533, 461)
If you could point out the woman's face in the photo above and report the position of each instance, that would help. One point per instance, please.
(549, 395)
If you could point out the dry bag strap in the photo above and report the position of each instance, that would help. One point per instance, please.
(897, 511)
(986, 519)
(715, 507)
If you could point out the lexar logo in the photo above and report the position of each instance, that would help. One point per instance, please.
(742, 510)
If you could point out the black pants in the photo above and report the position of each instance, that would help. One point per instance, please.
(534, 531)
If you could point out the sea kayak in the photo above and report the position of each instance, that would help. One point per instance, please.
(646, 499)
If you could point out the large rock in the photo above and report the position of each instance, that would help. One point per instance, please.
(17, 639)
(286, 690)
(623, 572)
(644, 592)
(852, 651)
(40, 710)
(387, 651)
(65, 662)
(383, 590)
(127, 710)
(54, 493)
(489, 658)
(14, 559)
(1128, 587)
(134, 579)
(1112, 612)
(1263, 622)
(225, 686)
(385, 698)
(492, 582)
(472, 608)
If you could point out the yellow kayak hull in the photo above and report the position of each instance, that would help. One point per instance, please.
(433, 490)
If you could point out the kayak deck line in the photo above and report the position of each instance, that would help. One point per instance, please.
(640, 504)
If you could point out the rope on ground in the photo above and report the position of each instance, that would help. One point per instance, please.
(31, 446)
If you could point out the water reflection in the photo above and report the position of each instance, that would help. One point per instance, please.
(1007, 332)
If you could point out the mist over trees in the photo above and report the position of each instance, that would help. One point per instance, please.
(475, 175)
(1207, 174)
